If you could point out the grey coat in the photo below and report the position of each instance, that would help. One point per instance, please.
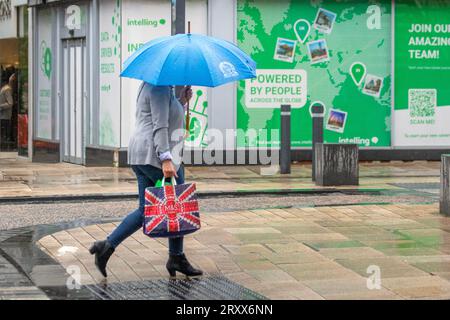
(159, 127)
(6, 103)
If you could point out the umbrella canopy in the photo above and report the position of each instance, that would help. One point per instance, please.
(189, 59)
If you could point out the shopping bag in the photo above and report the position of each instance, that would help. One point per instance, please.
(171, 210)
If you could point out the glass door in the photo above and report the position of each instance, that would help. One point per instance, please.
(74, 100)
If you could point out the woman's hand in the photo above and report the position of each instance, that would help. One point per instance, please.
(168, 169)
(185, 95)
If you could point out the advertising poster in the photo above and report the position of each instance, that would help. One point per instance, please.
(45, 75)
(422, 74)
(142, 21)
(110, 66)
(338, 53)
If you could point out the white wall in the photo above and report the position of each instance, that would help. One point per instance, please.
(222, 24)
(197, 14)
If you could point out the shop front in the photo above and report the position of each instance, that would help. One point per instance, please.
(380, 70)
(61, 69)
(14, 77)
(83, 110)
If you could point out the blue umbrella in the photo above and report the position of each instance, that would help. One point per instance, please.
(189, 59)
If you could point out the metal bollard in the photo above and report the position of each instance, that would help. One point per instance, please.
(317, 111)
(444, 203)
(285, 143)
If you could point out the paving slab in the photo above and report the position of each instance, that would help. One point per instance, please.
(323, 259)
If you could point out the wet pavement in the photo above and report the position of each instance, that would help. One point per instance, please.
(27, 272)
(294, 253)
(275, 237)
(21, 179)
(15, 285)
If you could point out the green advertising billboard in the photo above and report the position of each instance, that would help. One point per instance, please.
(422, 73)
(334, 53)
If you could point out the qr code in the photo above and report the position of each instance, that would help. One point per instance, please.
(422, 103)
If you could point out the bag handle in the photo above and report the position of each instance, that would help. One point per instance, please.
(172, 181)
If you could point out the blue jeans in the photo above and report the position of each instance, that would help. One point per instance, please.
(147, 176)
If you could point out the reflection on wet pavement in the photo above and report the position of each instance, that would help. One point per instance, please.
(22, 178)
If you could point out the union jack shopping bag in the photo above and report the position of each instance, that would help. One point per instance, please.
(171, 210)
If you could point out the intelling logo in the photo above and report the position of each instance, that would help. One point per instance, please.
(46, 59)
(5, 10)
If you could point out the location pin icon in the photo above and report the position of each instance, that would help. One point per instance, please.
(358, 71)
(302, 29)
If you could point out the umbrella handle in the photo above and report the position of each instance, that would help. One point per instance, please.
(188, 114)
(188, 120)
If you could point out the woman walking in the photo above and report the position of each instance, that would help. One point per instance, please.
(154, 152)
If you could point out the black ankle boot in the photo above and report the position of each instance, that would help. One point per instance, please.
(181, 264)
(103, 251)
